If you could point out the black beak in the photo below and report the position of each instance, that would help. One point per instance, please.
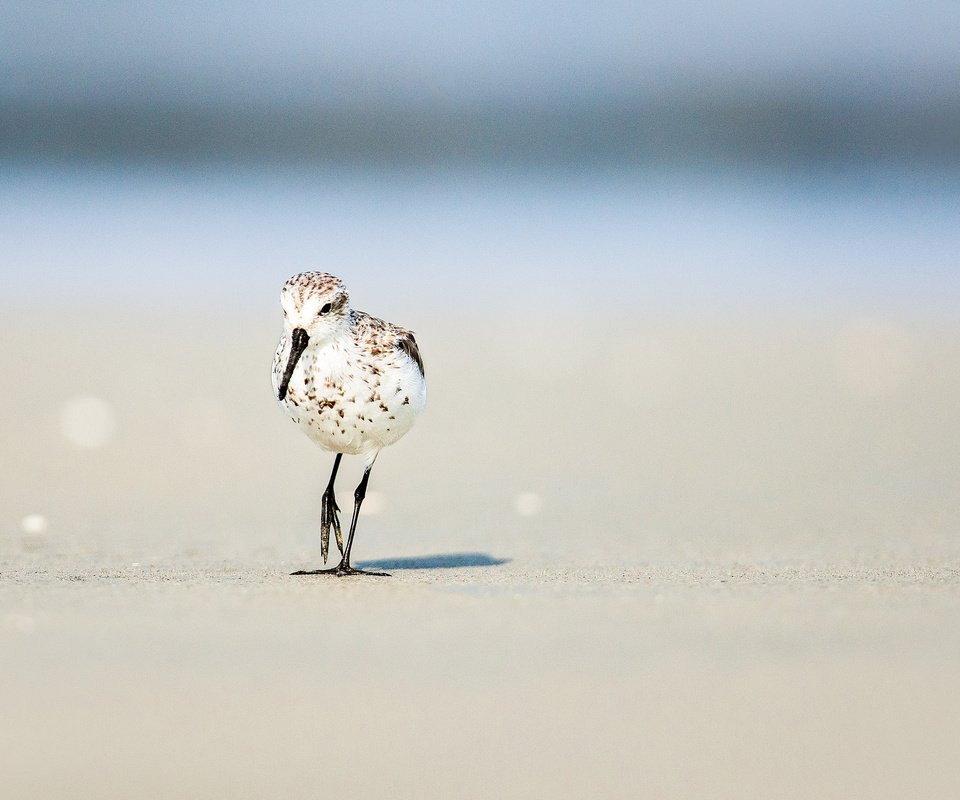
(298, 343)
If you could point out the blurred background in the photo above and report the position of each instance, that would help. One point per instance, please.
(685, 279)
(684, 276)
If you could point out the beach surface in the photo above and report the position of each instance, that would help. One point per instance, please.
(678, 557)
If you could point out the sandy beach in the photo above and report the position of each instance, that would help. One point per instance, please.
(681, 557)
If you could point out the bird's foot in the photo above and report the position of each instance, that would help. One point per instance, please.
(341, 571)
(329, 519)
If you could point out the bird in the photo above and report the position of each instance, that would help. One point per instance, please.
(352, 383)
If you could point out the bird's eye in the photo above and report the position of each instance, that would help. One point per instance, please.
(326, 308)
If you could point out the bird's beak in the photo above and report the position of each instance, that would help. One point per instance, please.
(298, 343)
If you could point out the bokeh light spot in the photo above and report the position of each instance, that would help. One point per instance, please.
(34, 523)
(87, 422)
(528, 504)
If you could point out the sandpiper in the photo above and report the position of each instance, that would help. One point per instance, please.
(353, 383)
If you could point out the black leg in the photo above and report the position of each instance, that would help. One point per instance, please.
(358, 496)
(328, 514)
(344, 568)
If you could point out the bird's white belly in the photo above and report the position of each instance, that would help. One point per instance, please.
(346, 410)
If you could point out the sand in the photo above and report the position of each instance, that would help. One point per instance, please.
(735, 572)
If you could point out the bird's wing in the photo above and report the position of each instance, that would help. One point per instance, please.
(408, 344)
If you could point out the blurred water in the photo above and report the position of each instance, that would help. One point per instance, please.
(375, 50)
(483, 241)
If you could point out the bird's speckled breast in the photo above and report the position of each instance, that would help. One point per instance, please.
(347, 404)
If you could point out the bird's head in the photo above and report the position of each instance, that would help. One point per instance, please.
(317, 303)
(316, 307)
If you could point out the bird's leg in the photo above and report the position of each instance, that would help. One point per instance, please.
(344, 568)
(358, 495)
(328, 514)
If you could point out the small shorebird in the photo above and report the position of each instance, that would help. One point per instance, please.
(353, 383)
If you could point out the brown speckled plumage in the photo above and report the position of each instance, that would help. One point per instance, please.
(353, 383)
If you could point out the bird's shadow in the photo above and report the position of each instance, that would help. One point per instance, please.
(439, 561)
